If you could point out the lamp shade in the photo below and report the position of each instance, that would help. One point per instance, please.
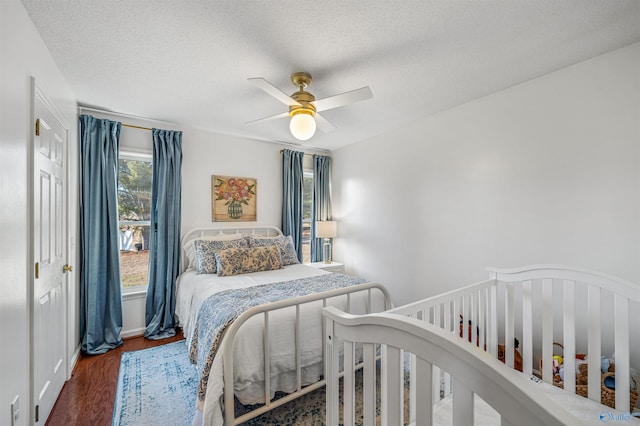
(326, 229)
(302, 126)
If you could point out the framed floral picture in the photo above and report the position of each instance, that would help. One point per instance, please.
(233, 199)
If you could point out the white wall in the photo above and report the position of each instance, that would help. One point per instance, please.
(23, 55)
(206, 154)
(543, 172)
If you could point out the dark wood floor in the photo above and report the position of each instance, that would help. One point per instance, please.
(88, 397)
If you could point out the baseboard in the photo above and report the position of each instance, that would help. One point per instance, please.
(74, 360)
(133, 332)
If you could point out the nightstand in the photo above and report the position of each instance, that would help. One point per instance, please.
(331, 267)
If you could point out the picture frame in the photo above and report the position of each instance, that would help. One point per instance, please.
(233, 199)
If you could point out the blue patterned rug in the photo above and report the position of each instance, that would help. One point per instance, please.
(156, 386)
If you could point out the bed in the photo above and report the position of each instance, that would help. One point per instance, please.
(251, 316)
(439, 356)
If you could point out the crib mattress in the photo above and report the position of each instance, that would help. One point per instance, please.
(588, 412)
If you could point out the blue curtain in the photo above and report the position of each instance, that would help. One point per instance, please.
(292, 181)
(165, 234)
(100, 292)
(321, 201)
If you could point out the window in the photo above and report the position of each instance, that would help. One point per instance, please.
(134, 215)
(307, 206)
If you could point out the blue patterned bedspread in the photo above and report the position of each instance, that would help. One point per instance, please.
(219, 311)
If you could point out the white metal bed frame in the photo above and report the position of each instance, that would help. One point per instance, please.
(429, 330)
(264, 311)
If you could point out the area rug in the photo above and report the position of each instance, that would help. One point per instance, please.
(308, 410)
(156, 386)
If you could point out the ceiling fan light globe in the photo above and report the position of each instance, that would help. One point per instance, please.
(302, 126)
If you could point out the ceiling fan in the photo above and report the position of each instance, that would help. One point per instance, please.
(304, 108)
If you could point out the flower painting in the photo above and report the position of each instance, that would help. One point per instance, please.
(233, 199)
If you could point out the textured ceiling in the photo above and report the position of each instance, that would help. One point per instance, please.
(187, 62)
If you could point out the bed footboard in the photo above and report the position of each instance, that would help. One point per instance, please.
(366, 290)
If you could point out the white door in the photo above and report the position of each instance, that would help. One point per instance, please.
(49, 254)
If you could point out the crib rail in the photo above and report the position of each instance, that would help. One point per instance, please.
(475, 303)
(573, 298)
(539, 306)
(509, 393)
(265, 311)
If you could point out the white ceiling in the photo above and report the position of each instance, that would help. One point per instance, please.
(187, 62)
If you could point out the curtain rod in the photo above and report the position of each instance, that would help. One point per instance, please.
(304, 153)
(135, 127)
(118, 114)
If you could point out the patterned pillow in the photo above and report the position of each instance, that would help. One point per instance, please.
(285, 245)
(206, 253)
(190, 247)
(246, 260)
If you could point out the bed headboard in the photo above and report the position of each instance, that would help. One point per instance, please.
(262, 231)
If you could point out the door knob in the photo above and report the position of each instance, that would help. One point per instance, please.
(67, 268)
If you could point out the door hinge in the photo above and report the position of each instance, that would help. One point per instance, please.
(37, 270)
(38, 127)
(37, 413)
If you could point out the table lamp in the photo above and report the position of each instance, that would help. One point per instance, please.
(327, 229)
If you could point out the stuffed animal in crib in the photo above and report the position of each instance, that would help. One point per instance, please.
(517, 357)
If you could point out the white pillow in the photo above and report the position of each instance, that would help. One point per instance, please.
(189, 247)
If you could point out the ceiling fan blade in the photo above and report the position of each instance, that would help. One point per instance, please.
(342, 99)
(324, 124)
(271, 117)
(274, 91)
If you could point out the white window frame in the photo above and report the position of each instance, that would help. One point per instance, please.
(134, 155)
(306, 174)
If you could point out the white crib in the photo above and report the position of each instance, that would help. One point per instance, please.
(538, 305)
